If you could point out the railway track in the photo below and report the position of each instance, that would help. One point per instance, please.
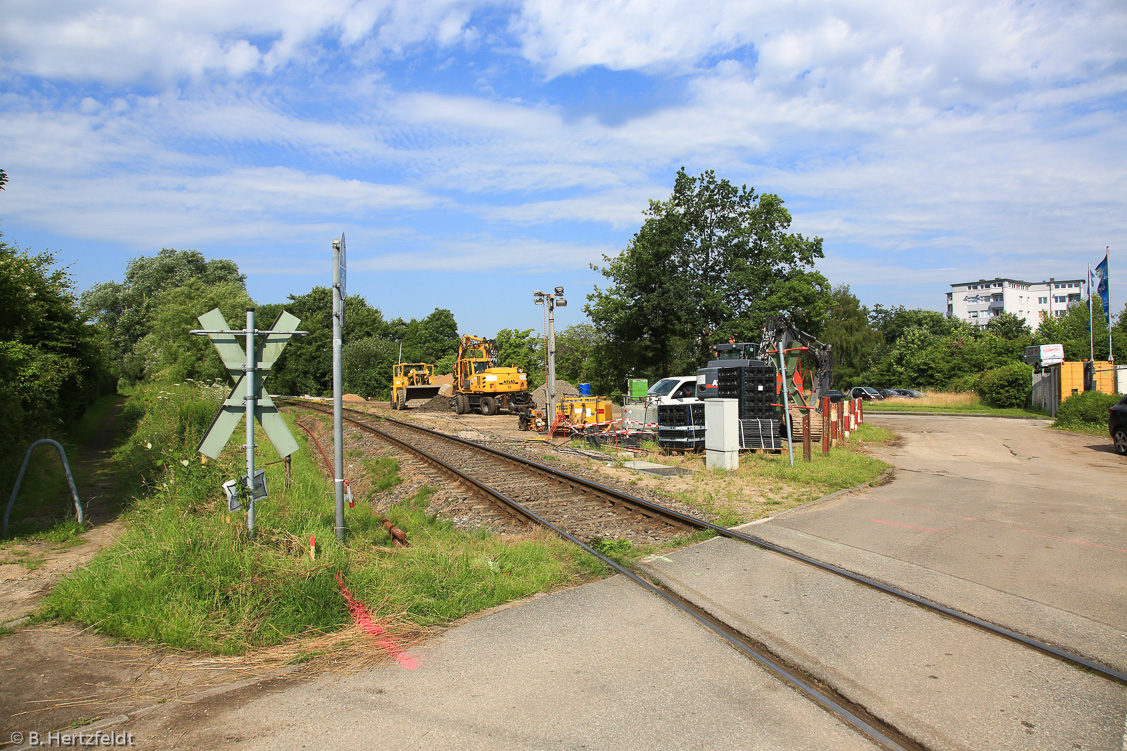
(585, 508)
(574, 507)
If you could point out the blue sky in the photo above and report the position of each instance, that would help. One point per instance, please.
(475, 151)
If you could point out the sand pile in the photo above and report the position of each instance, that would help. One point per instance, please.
(439, 403)
(563, 388)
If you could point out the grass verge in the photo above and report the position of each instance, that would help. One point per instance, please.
(765, 484)
(954, 403)
(185, 573)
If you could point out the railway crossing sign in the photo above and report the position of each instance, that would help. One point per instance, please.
(234, 408)
(340, 272)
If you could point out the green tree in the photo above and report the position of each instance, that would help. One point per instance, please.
(51, 363)
(1009, 327)
(711, 262)
(1007, 386)
(1071, 330)
(432, 338)
(911, 362)
(170, 352)
(523, 350)
(306, 364)
(366, 367)
(847, 329)
(893, 322)
(1119, 336)
(125, 310)
(580, 358)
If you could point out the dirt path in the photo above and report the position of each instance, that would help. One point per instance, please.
(61, 676)
(28, 569)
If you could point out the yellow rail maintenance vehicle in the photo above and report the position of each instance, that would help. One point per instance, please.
(412, 380)
(480, 385)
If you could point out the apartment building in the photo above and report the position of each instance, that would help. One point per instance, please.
(979, 302)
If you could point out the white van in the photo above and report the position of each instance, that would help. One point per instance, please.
(674, 390)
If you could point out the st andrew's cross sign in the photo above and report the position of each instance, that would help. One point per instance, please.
(234, 357)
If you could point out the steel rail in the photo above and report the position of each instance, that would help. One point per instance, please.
(1100, 669)
(779, 669)
(1044, 647)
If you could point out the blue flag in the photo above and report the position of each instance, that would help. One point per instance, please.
(1101, 287)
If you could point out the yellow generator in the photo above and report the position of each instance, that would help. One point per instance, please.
(412, 380)
(585, 410)
(480, 385)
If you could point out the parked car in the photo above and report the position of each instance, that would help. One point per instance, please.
(1117, 425)
(910, 393)
(865, 392)
(890, 393)
(834, 396)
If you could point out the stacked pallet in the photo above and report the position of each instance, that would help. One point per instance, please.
(681, 426)
(815, 424)
(754, 386)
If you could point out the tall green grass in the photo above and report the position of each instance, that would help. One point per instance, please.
(44, 509)
(963, 402)
(187, 574)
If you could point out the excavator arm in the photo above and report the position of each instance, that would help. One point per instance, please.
(780, 332)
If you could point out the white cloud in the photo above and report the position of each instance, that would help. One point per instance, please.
(519, 254)
(121, 42)
(936, 134)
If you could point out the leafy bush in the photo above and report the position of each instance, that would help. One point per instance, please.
(966, 383)
(1086, 409)
(1008, 386)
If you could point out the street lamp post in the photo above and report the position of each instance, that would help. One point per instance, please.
(551, 299)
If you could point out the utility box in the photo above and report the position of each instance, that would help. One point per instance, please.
(722, 433)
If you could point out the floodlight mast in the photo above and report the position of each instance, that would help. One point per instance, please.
(551, 299)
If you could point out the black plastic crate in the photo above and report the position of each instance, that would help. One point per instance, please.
(676, 415)
(695, 444)
(680, 433)
(760, 434)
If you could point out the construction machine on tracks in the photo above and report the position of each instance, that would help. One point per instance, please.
(480, 385)
(412, 380)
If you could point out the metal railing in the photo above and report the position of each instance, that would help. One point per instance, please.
(23, 470)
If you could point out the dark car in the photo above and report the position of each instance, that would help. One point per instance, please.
(866, 393)
(834, 396)
(890, 393)
(910, 393)
(1117, 425)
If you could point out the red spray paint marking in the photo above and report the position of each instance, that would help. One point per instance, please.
(364, 620)
(905, 526)
(1003, 526)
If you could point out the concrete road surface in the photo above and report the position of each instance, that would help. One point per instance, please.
(1004, 519)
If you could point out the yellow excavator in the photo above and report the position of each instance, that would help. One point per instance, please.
(412, 380)
(480, 385)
